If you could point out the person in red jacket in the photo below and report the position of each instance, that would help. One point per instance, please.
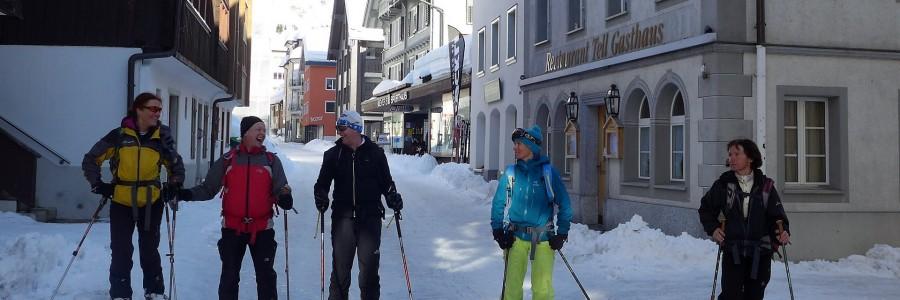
(253, 179)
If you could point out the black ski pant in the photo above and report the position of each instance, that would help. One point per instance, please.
(122, 224)
(360, 236)
(737, 283)
(232, 247)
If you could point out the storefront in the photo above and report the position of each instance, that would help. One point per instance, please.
(420, 119)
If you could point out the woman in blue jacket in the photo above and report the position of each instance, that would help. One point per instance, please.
(530, 195)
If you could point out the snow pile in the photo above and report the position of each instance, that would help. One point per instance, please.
(619, 250)
(25, 259)
(318, 145)
(385, 86)
(460, 178)
(410, 165)
(881, 260)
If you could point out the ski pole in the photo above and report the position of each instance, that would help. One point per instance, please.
(287, 265)
(78, 248)
(403, 253)
(316, 233)
(170, 231)
(505, 269)
(321, 224)
(712, 296)
(787, 267)
(573, 275)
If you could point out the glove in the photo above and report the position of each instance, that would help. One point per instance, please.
(557, 241)
(184, 195)
(321, 201)
(394, 201)
(104, 189)
(170, 190)
(286, 201)
(504, 238)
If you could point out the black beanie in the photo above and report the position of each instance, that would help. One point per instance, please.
(248, 122)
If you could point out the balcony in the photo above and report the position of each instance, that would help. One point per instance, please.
(391, 10)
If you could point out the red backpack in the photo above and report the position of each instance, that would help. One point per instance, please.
(246, 208)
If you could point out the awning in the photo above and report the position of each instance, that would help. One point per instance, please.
(403, 99)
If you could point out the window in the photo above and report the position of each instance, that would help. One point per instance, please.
(426, 12)
(806, 141)
(329, 84)
(644, 141)
(481, 46)
(495, 43)
(511, 34)
(194, 117)
(469, 11)
(615, 8)
(676, 172)
(576, 15)
(329, 106)
(205, 131)
(542, 22)
(224, 22)
(413, 20)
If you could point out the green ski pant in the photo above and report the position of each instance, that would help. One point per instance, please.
(541, 270)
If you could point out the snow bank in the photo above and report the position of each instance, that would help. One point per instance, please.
(32, 263)
(622, 248)
(461, 178)
(881, 260)
(318, 145)
(409, 165)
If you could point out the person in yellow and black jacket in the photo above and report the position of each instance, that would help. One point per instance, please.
(137, 150)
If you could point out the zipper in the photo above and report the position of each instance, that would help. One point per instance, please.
(247, 214)
(137, 179)
(528, 191)
(353, 163)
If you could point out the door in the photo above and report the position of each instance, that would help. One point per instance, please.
(602, 184)
(19, 176)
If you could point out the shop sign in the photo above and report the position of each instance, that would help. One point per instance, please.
(606, 45)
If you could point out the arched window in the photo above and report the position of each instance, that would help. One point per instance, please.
(676, 146)
(644, 140)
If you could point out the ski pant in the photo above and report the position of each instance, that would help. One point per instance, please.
(360, 236)
(736, 281)
(122, 224)
(541, 270)
(232, 247)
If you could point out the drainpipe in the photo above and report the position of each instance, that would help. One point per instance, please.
(761, 80)
(212, 133)
(133, 59)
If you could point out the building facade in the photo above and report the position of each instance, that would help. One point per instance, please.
(318, 103)
(357, 51)
(69, 80)
(694, 75)
(292, 89)
(497, 105)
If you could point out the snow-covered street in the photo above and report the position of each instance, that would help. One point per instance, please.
(449, 246)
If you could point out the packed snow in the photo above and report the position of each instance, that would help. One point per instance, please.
(447, 238)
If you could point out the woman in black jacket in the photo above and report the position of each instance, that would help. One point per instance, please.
(746, 201)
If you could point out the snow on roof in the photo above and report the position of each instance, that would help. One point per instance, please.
(366, 34)
(437, 63)
(385, 86)
(316, 55)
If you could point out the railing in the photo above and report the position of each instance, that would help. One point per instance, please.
(62, 160)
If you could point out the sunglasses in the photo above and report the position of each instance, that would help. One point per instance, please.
(340, 128)
(520, 133)
(154, 109)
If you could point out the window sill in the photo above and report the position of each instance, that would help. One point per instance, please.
(494, 68)
(480, 74)
(672, 187)
(815, 190)
(642, 184)
(510, 61)
(541, 43)
(576, 30)
(615, 16)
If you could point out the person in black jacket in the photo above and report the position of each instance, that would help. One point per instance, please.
(747, 202)
(361, 176)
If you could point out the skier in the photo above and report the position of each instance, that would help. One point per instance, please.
(751, 206)
(522, 216)
(361, 176)
(252, 179)
(136, 151)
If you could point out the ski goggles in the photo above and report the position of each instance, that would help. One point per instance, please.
(343, 124)
(520, 133)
